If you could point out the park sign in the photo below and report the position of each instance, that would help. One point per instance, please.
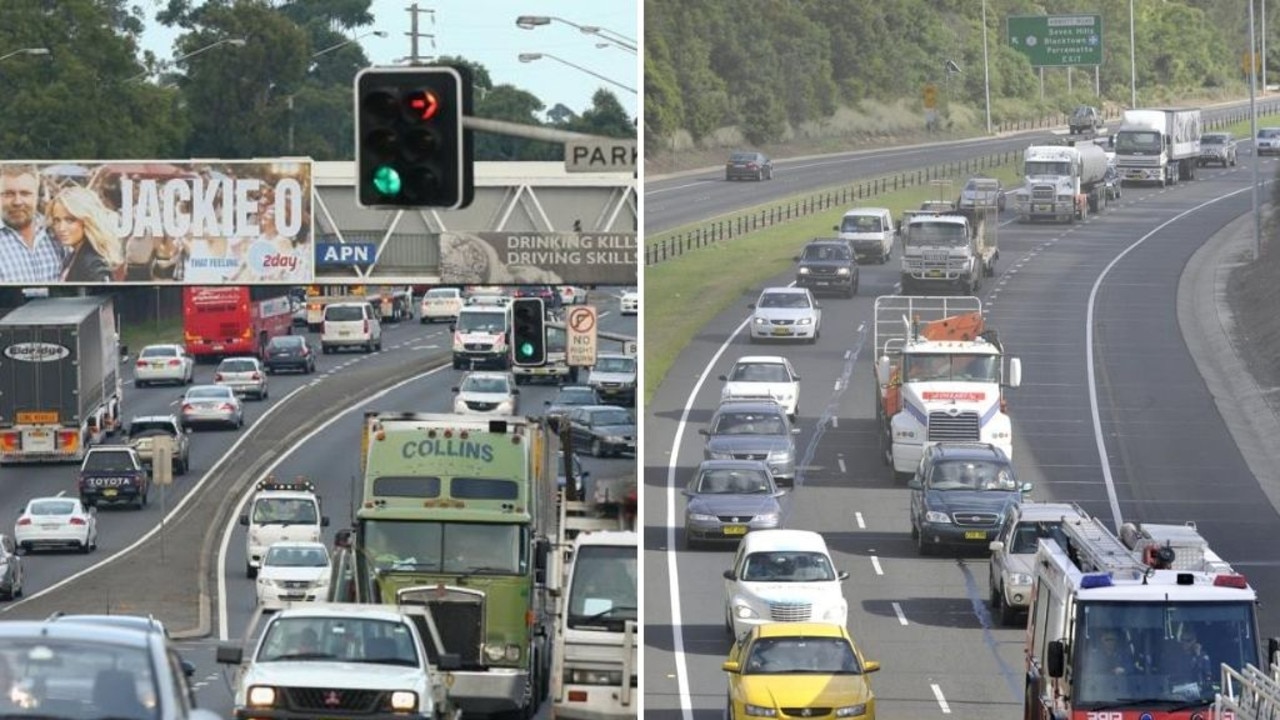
(1057, 40)
(160, 222)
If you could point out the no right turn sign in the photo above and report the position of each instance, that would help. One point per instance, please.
(581, 325)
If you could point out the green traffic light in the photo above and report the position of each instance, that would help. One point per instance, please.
(387, 180)
(526, 349)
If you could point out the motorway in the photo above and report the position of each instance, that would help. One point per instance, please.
(693, 197)
(1091, 310)
(328, 457)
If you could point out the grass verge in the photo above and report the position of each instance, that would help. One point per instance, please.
(682, 295)
(140, 334)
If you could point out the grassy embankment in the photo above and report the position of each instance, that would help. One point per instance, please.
(683, 295)
(138, 335)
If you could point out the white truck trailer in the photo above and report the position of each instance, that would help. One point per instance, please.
(1160, 145)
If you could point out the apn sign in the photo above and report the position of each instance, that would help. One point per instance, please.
(345, 254)
(600, 156)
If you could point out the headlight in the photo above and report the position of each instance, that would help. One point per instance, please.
(761, 711)
(1019, 579)
(745, 612)
(780, 455)
(760, 321)
(940, 518)
(767, 518)
(513, 652)
(403, 700)
(459, 406)
(702, 517)
(261, 696)
(842, 271)
(493, 652)
(593, 677)
(615, 439)
(804, 271)
(805, 321)
(851, 710)
(504, 407)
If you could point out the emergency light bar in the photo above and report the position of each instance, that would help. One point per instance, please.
(297, 485)
(1095, 580)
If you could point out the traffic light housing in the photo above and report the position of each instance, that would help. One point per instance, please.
(529, 333)
(411, 147)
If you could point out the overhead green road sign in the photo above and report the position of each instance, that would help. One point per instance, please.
(1057, 40)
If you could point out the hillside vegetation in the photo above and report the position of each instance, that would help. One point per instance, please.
(762, 72)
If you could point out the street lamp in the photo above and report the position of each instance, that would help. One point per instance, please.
(986, 66)
(344, 43)
(1133, 64)
(26, 51)
(529, 22)
(238, 42)
(530, 57)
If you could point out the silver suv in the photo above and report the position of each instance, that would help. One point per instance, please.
(1013, 554)
(753, 430)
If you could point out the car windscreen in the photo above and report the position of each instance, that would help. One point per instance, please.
(861, 224)
(279, 556)
(485, 385)
(760, 372)
(209, 393)
(826, 253)
(577, 396)
(343, 313)
(787, 566)
(972, 475)
(52, 507)
(813, 655)
(482, 322)
(616, 365)
(1213, 140)
(287, 341)
(747, 423)
(784, 300)
(736, 481)
(742, 157)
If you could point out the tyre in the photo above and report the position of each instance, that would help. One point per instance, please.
(183, 466)
(597, 450)
(84, 550)
(264, 394)
(922, 546)
(250, 571)
(140, 383)
(1008, 615)
(759, 175)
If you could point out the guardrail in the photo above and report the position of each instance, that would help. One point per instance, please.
(746, 223)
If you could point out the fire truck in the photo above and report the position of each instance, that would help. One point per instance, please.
(1134, 625)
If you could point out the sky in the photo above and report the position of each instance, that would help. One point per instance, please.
(485, 31)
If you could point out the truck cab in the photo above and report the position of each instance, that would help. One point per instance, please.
(481, 337)
(948, 251)
(280, 511)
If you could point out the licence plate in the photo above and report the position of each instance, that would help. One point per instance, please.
(975, 534)
(157, 365)
(36, 417)
(1043, 208)
(110, 492)
(343, 333)
(935, 273)
(217, 348)
(781, 331)
(735, 529)
(53, 526)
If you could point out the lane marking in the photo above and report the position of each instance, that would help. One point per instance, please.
(942, 701)
(861, 524)
(875, 563)
(843, 470)
(897, 610)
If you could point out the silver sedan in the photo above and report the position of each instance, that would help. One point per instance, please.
(211, 405)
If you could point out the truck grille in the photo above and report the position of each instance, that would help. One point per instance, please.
(1042, 192)
(789, 612)
(478, 347)
(1142, 161)
(943, 426)
(461, 625)
(326, 700)
(975, 519)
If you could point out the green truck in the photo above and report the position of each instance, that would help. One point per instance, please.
(459, 514)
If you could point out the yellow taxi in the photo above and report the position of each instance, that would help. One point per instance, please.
(799, 670)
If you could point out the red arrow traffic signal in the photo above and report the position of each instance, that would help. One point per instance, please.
(424, 103)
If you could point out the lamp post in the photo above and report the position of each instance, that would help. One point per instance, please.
(26, 51)
(986, 66)
(529, 22)
(238, 42)
(1253, 131)
(1133, 63)
(530, 57)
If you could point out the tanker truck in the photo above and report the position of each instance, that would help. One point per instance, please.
(1158, 145)
(1062, 182)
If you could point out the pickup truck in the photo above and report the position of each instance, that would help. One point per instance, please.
(113, 474)
(341, 661)
(144, 429)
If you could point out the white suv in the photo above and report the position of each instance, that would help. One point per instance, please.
(763, 377)
(350, 324)
(783, 576)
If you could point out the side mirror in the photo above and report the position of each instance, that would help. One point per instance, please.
(996, 546)
(188, 669)
(1056, 660)
(453, 328)
(686, 492)
(724, 378)
(515, 391)
(752, 306)
(779, 492)
(124, 351)
(871, 666)
(343, 539)
(731, 666)
(703, 431)
(882, 369)
(817, 306)
(1026, 488)
(1015, 372)
(449, 661)
(244, 520)
(324, 521)
(836, 228)
(229, 654)
(547, 403)
(914, 483)
(842, 575)
(455, 389)
(728, 575)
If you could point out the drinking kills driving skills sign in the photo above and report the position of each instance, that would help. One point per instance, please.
(530, 258)
(581, 324)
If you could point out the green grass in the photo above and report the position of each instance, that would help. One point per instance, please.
(140, 334)
(1242, 129)
(683, 295)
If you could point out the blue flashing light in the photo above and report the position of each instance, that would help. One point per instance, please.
(1095, 580)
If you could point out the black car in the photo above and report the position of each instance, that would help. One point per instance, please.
(961, 494)
(748, 166)
(113, 474)
(828, 266)
(290, 352)
(550, 296)
(604, 429)
(569, 397)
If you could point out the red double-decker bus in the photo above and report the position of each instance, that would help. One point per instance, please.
(231, 320)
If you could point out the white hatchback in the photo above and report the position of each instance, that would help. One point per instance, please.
(293, 572)
(56, 522)
(440, 304)
(786, 313)
(763, 376)
(164, 363)
(486, 393)
(629, 303)
(783, 576)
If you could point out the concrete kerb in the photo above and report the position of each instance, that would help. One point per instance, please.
(1207, 324)
(248, 476)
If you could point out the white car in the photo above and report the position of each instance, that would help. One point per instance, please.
(164, 364)
(350, 324)
(56, 522)
(783, 313)
(293, 572)
(487, 393)
(783, 576)
(244, 375)
(570, 295)
(630, 302)
(1268, 141)
(440, 304)
(763, 376)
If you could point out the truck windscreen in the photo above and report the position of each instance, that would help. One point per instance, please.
(1047, 167)
(603, 591)
(1138, 142)
(928, 233)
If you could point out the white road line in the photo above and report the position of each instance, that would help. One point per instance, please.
(897, 610)
(425, 347)
(942, 701)
(843, 470)
(835, 421)
(673, 576)
(875, 563)
(1089, 356)
(862, 525)
(234, 519)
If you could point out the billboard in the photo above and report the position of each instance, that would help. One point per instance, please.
(232, 222)
(1057, 40)
(517, 258)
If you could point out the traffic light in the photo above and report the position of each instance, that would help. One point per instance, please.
(411, 147)
(529, 334)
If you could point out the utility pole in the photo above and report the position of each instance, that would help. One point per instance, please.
(415, 58)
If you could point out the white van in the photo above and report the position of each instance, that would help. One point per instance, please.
(440, 304)
(350, 324)
(783, 576)
(869, 231)
(481, 337)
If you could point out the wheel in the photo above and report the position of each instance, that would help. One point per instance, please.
(183, 466)
(250, 571)
(264, 394)
(84, 549)
(596, 448)
(759, 175)
(379, 346)
(140, 383)
(993, 593)
(1008, 615)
